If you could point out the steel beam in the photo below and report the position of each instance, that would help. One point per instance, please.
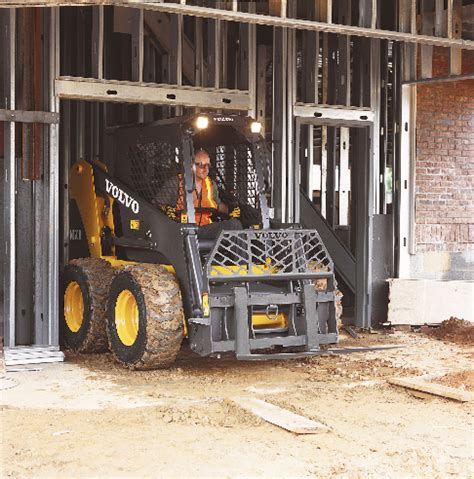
(150, 93)
(270, 20)
(21, 116)
(423, 81)
(333, 115)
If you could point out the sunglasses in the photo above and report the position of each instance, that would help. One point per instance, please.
(203, 165)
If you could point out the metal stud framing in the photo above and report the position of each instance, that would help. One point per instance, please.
(336, 90)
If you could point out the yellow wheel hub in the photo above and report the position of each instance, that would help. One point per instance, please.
(73, 306)
(126, 317)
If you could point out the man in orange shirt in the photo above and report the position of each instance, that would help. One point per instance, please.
(206, 199)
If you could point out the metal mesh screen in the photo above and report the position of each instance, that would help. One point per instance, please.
(154, 172)
(234, 171)
(239, 253)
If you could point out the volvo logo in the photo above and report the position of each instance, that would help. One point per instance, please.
(122, 197)
(272, 235)
(222, 118)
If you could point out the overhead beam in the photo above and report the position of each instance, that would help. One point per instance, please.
(150, 93)
(328, 115)
(468, 76)
(244, 17)
(22, 116)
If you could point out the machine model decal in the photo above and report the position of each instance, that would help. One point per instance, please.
(75, 235)
(121, 196)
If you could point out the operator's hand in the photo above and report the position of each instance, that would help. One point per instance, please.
(170, 212)
(235, 213)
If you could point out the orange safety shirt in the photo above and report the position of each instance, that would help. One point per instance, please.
(206, 200)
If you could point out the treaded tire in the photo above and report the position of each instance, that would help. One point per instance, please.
(93, 275)
(160, 316)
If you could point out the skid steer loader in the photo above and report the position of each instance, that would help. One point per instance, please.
(141, 278)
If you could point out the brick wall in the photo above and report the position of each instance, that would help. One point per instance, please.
(444, 184)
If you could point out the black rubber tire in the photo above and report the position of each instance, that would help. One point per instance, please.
(160, 316)
(94, 277)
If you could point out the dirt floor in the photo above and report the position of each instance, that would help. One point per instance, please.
(88, 417)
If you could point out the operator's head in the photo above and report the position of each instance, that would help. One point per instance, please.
(202, 162)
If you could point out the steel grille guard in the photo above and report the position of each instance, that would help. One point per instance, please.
(268, 254)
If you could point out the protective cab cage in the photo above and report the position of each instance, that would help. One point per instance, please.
(260, 292)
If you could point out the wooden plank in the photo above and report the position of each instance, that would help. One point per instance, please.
(419, 384)
(280, 417)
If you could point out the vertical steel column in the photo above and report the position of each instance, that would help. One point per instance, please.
(293, 165)
(53, 184)
(304, 148)
(363, 172)
(137, 52)
(214, 70)
(252, 59)
(344, 183)
(80, 106)
(176, 55)
(280, 41)
(384, 122)
(97, 72)
(406, 178)
(9, 37)
(40, 200)
(375, 85)
(198, 53)
(455, 31)
(252, 64)
(427, 27)
(261, 85)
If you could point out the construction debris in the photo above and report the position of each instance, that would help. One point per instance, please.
(454, 330)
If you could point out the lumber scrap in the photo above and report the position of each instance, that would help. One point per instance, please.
(280, 417)
(422, 385)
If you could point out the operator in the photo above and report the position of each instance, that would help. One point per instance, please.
(206, 197)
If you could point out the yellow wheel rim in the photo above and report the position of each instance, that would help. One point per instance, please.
(73, 306)
(126, 317)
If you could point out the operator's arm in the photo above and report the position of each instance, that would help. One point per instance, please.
(222, 207)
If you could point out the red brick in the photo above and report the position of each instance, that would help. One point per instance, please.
(444, 182)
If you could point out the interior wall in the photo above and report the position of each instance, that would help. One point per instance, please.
(444, 185)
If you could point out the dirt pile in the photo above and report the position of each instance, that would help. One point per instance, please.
(455, 330)
(461, 380)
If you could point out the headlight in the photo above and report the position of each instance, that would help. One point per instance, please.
(202, 122)
(256, 127)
